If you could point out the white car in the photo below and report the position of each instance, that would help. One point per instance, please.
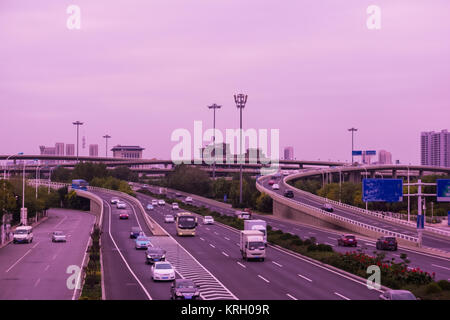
(114, 200)
(58, 236)
(162, 271)
(175, 206)
(23, 234)
(168, 218)
(121, 205)
(275, 186)
(285, 172)
(161, 202)
(208, 220)
(145, 185)
(188, 199)
(154, 202)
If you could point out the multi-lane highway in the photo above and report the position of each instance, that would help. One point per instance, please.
(212, 259)
(42, 269)
(427, 262)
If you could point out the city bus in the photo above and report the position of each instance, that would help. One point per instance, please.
(80, 184)
(185, 223)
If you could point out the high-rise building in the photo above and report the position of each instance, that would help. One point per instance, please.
(70, 149)
(50, 151)
(93, 150)
(129, 152)
(289, 153)
(384, 157)
(59, 149)
(435, 148)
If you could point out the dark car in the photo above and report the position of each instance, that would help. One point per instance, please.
(387, 243)
(155, 254)
(327, 207)
(347, 240)
(288, 193)
(184, 289)
(135, 232)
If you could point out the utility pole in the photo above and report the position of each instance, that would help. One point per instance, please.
(352, 131)
(214, 107)
(78, 124)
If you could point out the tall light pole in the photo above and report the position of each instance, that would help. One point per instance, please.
(106, 136)
(214, 107)
(353, 131)
(36, 178)
(78, 124)
(240, 100)
(6, 162)
(23, 211)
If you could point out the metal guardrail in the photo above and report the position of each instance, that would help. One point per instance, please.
(344, 219)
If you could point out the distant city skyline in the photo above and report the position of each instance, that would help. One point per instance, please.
(310, 69)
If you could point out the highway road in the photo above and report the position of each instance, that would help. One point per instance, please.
(430, 263)
(282, 276)
(38, 270)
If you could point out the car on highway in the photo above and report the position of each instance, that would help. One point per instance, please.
(177, 194)
(208, 220)
(397, 295)
(121, 205)
(162, 271)
(124, 216)
(327, 207)
(347, 240)
(58, 236)
(271, 181)
(387, 243)
(135, 232)
(285, 172)
(145, 186)
(154, 254)
(175, 206)
(23, 234)
(150, 207)
(288, 193)
(142, 242)
(154, 202)
(184, 289)
(275, 186)
(168, 218)
(161, 202)
(115, 200)
(188, 199)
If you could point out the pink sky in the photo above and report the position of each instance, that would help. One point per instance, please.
(140, 69)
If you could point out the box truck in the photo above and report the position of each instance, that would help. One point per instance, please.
(252, 245)
(259, 225)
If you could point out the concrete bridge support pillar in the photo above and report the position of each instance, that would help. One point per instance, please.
(372, 174)
(394, 174)
(355, 177)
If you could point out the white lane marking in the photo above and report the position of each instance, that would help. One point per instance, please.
(46, 268)
(292, 297)
(369, 244)
(65, 217)
(54, 256)
(207, 228)
(332, 238)
(436, 265)
(329, 244)
(37, 282)
(243, 266)
(216, 233)
(18, 261)
(340, 295)
(237, 244)
(202, 239)
(124, 260)
(276, 263)
(260, 276)
(303, 277)
(311, 232)
(212, 245)
(397, 255)
(36, 245)
(226, 255)
(227, 238)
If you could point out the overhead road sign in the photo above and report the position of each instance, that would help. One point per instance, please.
(382, 190)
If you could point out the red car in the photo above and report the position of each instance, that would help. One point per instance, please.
(347, 240)
(271, 182)
(123, 215)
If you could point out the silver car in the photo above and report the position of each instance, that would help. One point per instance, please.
(58, 236)
(397, 295)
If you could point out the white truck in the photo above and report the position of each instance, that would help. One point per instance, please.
(259, 225)
(252, 245)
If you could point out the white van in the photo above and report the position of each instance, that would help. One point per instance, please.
(23, 234)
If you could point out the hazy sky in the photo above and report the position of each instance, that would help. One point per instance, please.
(140, 69)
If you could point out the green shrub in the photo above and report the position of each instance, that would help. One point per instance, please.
(433, 288)
(444, 284)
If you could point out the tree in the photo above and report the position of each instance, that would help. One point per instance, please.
(124, 173)
(7, 198)
(89, 171)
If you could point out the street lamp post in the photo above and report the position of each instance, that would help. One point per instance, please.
(23, 212)
(50, 178)
(240, 100)
(36, 179)
(6, 161)
(78, 124)
(352, 131)
(106, 136)
(214, 107)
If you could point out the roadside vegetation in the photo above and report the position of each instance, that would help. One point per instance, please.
(394, 274)
(92, 287)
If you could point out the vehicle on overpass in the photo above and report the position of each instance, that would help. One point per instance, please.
(23, 234)
(387, 243)
(327, 207)
(162, 271)
(243, 214)
(188, 200)
(58, 236)
(347, 240)
(271, 181)
(186, 223)
(184, 289)
(252, 245)
(259, 225)
(80, 184)
(275, 186)
(288, 193)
